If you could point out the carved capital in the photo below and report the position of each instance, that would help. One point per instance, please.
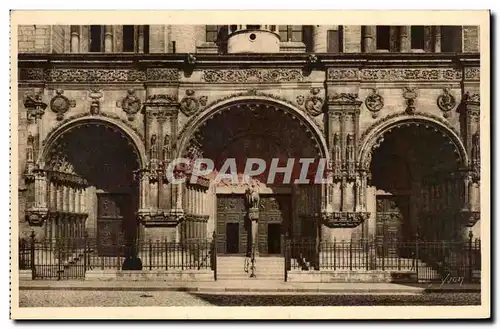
(344, 219)
(160, 218)
(36, 217)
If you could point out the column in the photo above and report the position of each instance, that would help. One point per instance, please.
(140, 39)
(320, 38)
(437, 39)
(369, 38)
(404, 39)
(75, 38)
(184, 37)
(108, 38)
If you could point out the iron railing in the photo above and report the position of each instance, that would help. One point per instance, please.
(429, 260)
(71, 258)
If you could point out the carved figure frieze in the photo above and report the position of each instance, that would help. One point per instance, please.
(313, 103)
(60, 104)
(191, 104)
(401, 74)
(342, 74)
(344, 218)
(472, 73)
(253, 75)
(162, 74)
(35, 107)
(446, 102)
(343, 98)
(94, 75)
(374, 103)
(410, 95)
(131, 104)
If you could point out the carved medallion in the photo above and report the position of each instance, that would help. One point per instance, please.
(446, 102)
(190, 104)
(410, 94)
(313, 103)
(374, 103)
(131, 104)
(60, 104)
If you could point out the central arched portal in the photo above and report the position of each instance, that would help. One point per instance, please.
(276, 134)
(105, 157)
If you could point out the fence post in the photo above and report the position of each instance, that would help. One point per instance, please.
(367, 253)
(416, 254)
(471, 268)
(214, 255)
(150, 254)
(350, 254)
(85, 238)
(32, 255)
(59, 256)
(286, 256)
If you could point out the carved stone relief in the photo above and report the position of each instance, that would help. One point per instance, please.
(446, 102)
(191, 104)
(131, 104)
(374, 103)
(60, 104)
(313, 103)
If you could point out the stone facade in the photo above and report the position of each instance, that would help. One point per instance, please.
(158, 101)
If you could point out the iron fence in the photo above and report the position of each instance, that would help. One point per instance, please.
(61, 259)
(428, 260)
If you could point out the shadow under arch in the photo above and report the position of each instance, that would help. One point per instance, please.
(52, 138)
(196, 122)
(372, 136)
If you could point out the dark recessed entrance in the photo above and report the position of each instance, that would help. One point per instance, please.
(274, 238)
(232, 238)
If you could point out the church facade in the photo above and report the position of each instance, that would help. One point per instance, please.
(393, 111)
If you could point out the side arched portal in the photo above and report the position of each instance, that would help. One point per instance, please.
(89, 167)
(415, 165)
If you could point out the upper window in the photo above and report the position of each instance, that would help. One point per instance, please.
(336, 40)
(451, 39)
(383, 37)
(294, 33)
(128, 38)
(211, 33)
(96, 38)
(417, 37)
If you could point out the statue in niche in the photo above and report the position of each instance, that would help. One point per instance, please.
(337, 154)
(475, 153)
(350, 153)
(166, 147)
(153, 148)
(29, 148)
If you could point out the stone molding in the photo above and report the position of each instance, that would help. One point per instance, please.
(252, 75)
(395, 74)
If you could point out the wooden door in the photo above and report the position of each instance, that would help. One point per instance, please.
(274, 210)
(231, 220)
(112, 211)
(390, 213)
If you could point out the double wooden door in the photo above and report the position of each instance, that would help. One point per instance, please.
(391, 211)
(234, 228)
(116, 225)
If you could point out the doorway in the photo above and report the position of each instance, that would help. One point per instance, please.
(274, 238)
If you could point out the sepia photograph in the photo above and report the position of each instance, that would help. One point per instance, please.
(173, 163)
